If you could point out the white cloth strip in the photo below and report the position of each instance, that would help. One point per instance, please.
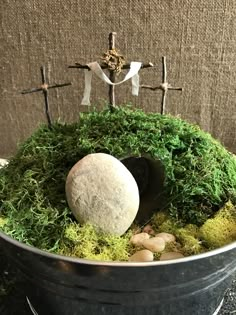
(134, 69)
(95, 67)
(135, 84)
(87, 88)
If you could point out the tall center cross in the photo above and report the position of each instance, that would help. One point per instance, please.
(112, 72)
(44, 88)
(164, 86)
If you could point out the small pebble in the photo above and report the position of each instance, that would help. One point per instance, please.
(167, 237)
(138, 239)
(142, 255)
(171, 255)
(155, 244)
(148, 229)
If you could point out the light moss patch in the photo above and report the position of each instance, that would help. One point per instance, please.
(221, 229)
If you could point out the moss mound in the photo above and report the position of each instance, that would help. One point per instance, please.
(200, 172)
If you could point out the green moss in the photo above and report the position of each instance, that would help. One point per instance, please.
(221, 229)
(200, 173)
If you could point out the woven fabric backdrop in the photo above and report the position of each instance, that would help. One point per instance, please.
(197, 37)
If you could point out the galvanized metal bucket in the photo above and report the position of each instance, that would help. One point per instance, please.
(59, 285)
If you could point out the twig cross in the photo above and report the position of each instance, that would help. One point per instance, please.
(164, 86)
(44, 88)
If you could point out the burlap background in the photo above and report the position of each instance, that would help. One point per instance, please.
(197, 36)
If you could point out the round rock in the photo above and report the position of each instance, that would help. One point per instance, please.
(167, 237)
(138, 239)
(154, 244)
(100, 190)
(142, 255)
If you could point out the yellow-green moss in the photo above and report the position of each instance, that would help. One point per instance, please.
(187, 241)
(190, 245)
(159, 218)
(85, 242)
(192, 229)
(3, 221)
(221, 229)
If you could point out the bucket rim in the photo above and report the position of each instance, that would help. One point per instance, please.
(83, 261)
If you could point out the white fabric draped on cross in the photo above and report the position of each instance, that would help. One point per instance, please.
(95, 67)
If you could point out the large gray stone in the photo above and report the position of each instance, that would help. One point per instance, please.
(100, 190)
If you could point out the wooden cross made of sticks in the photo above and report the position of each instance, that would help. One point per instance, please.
(44, 88)
(164, 86)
